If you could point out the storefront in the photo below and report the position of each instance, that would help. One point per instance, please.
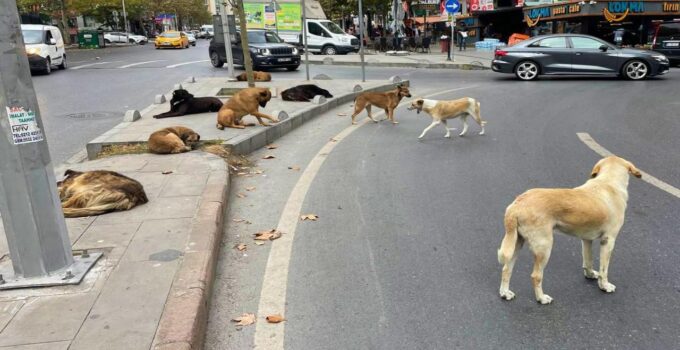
(633, 22)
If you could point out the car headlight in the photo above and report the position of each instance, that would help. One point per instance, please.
(264, 52)
(34, 50)
(660, 58)
(295, 51)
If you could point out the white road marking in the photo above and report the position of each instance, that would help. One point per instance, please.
(91, 64)
(185, 63)
(275, 281)
(138, 64)
(590, 142)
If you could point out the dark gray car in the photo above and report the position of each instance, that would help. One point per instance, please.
(576, 54)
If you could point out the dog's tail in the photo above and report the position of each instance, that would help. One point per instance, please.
(90, 211)
(509, 243)
(477, 110)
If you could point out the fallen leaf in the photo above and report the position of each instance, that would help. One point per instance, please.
(275, 318)
(269, 156)
(332, 140)
(247, 222)
(311, 217)
(167, 172)
(272, 146)
(267, 235)
(259, 243)
(245, 319)
(259, 171)
(251, 188)
(241, 247)
(342, 114)
(241, 173)
(241, 195)
(294, 167)
(238, 220)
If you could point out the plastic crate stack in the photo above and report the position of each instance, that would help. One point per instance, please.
(489, 44)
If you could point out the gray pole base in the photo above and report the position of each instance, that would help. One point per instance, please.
(73, 274)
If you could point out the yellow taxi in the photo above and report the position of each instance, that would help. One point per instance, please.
(172, 38)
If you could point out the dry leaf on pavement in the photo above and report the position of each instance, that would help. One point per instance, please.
(245, 320)
(238, 220)
(259, 172)
(251, 188)
(332, 140)
(294, 167)
(167, 172)
(241, 195)
(269, 235)
(259, 243)
(275, 318)
(342, 114)
(311, 217)
(269, 156)
(241, 247)
(272, 146)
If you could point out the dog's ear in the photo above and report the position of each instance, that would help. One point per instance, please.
(70, 172)
(633, 170)
(596, 170)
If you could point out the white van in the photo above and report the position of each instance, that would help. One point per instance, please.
(207, 31)
(44, 47)
(326, 37)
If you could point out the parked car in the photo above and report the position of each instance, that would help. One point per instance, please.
(667, 41)
(325, 37)
(576, 54)
(171, 39)
(44, 47)
(191, 38)
(121, 37)
(267, 50)
(207, 31)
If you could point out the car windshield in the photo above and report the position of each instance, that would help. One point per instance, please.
(33, 36)
(332, 27)
(170, 35)
(261, 37)
(667, 30)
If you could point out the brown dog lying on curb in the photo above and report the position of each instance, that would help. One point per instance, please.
(384, 100)
(98, 192)
(594, 210)
(175, 139)
(244, 102)
(257, 76)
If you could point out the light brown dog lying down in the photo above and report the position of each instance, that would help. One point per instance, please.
(384, 100)
(98, 192)
(244, 102)
(594, 210)
(257, 76)
(174, 139)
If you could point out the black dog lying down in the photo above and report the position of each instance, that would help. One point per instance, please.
(304, 93)
(183, 103)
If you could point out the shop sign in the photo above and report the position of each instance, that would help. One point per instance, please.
(566, 9)
(539, 12)
(671, 7)
(626, 6)
(481, 5)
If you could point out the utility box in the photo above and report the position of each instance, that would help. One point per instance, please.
(91, 39)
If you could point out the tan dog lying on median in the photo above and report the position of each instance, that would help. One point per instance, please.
(257, 76)
(384, 100)
(440, 111)
(175, 139)
(244, 102)
(594, 210)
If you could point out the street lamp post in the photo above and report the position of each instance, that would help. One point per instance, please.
(361, 42)
(227, 40)
(127, 29)
(304, 36)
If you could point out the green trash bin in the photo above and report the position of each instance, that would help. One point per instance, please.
(91, 39)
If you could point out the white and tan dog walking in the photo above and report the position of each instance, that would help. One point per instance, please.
(441, 111)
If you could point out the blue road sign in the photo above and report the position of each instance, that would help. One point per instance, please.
(452, 6)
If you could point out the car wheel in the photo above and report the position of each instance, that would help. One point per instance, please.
(215, 60)
(132, 41)
(48, 66)
(527, 70)
(107, 41)
(329, 50)
(63, 64)
(635, 70)
(194, 44)
(291, 69)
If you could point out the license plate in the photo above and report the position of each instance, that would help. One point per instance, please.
(166, 44)
(673, 44)
(285, 59)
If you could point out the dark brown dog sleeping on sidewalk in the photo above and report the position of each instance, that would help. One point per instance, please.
(183, 103)
(175, 139)
(244, 102)
(98, 192)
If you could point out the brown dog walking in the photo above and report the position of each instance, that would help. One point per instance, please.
(385, 100)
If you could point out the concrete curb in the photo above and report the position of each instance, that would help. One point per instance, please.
(185, 315)
(248, 143)
(463, 66)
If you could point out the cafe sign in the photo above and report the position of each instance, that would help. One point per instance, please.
(612, 11)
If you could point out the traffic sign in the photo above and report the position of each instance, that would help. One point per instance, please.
(452, 6)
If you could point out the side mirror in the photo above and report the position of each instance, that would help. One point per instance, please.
(53, 41)
(604, 48)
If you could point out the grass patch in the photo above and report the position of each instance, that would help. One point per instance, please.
(120, 149)
(236, 162)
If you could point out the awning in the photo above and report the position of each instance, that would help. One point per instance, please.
(431, 19)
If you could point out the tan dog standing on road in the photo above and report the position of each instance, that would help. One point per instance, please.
(257, 76)
(384, 100)
(244, 102)
(175, 139)
(440, 111)
(594, 210)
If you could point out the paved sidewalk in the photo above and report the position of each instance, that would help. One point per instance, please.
(155, 272)
(468, 59)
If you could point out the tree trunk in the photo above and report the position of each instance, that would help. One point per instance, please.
(247, 61)
(64, 25)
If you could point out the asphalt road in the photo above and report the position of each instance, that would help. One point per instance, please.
(403, 255)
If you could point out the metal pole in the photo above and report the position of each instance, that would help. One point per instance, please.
(227, 40)
(274, 6)
(361, 42)
(127, 29)
(453, 21)
(31, 211)
(304, 36)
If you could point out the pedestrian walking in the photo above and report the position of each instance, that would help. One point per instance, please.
(462, 36)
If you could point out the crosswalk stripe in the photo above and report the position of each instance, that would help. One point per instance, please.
(185, 63)
(89, 65)
(138, 64)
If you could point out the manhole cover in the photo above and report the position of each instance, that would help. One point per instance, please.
(94, 115)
